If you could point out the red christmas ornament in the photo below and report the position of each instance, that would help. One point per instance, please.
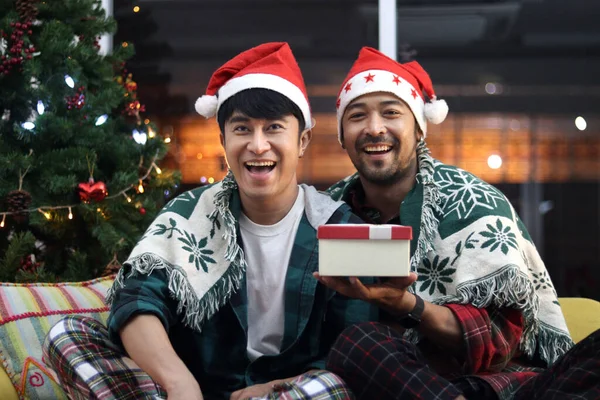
(131, 86)
(143, 211)
(92, 191)
(77, 100)
(17, 50)
(29, 264)
(134, 108)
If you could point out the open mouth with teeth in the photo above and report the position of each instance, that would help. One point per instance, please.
(260, 167)
(377, 149)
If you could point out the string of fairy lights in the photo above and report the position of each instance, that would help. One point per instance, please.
(47, 210)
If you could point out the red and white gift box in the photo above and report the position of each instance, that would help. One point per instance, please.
(364, 250)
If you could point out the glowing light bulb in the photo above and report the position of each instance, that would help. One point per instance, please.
(28, 125)
(69, 81)
(141, 187)
(127, 197)
(70, 213)
(40, 107)
(3, 219)
(101, 119)
(139, 137)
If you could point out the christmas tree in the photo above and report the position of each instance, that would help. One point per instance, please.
(79, 164)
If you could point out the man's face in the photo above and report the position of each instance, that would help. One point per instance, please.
(263, 154)
(380, 136)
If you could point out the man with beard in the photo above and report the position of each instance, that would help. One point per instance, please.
(472, 319)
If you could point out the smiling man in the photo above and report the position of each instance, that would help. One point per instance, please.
(479, 310)
(217, 300)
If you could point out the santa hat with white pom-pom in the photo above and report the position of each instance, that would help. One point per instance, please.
(267, 66)
(373, 72)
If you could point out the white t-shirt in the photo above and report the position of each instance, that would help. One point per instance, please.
(268, 249)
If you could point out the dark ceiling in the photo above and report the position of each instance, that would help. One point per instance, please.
(545, 54)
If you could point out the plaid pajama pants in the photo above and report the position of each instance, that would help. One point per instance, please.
(377, 363)
(90, 366)
(575, 376)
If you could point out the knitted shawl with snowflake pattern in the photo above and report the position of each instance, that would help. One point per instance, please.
(470, 247)
(194, 240)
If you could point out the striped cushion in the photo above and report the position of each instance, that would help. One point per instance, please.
(27, 312)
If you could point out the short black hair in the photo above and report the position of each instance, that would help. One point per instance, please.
(259, 103)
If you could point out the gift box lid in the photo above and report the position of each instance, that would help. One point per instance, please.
(364, 232)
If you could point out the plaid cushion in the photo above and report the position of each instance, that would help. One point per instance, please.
(27, 312)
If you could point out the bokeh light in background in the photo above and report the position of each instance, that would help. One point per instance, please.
(494, 161)
(580, 123)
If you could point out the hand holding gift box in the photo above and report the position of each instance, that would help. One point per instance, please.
(348, 251)
(364, 250)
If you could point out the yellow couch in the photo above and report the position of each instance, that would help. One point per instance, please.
(582, 315)
(7, 390)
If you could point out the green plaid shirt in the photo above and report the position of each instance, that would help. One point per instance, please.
(217, 357)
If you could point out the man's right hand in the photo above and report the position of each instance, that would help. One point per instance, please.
(147, 343)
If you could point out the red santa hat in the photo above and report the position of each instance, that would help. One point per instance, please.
(267, 66)
(373, 72)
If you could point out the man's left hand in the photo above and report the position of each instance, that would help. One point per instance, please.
(389, 295)
(259, 390)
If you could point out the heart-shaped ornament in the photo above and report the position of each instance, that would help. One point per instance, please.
(92, 191)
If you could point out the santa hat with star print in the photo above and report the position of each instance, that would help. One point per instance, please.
(373, 72)
(267, 66)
